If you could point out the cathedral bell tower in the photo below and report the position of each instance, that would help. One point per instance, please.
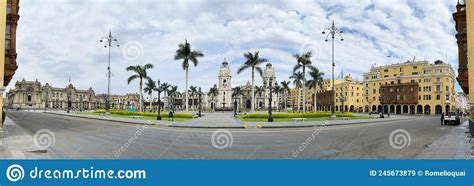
(224, 99)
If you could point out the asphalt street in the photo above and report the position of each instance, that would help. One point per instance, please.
(78, 138)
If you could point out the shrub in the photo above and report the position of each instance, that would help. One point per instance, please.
(297, 115)
(100, 111)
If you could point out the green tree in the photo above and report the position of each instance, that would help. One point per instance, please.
(238, 92)
(213, 92)
(303, 61)
(140, 74)
(172, 92)
(187, 55)
(150, 86)
(258, 91)
(315, 82)
(193, 91)
(252, 62)
(298, 82)
(285, 86)
(164, 88)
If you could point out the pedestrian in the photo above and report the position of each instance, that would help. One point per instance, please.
(442, 118)
(388, 114)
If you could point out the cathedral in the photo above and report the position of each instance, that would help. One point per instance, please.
(226, 99)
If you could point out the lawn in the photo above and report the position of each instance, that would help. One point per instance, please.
(130, 116)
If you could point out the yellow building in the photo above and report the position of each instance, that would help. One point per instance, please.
(412, 87)
(3, 18)
(348, 95)
(470, 41)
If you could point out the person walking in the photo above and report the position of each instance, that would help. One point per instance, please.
(442, 118)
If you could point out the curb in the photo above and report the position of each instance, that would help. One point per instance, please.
(211, 127)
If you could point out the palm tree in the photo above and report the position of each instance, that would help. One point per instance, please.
(193, 90)
(171, 94)
(252, 61)
(315, 81)
(140, 73)
(164, 88)
(213, 92)
(259, 90)
(237, 91)
(277, 90)
(303, 61)
(297, 81)
(285, 86)
(150, 86)
(186, 54)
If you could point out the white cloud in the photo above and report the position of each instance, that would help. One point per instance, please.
(58, 39)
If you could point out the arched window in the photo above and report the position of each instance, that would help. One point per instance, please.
(29, 97)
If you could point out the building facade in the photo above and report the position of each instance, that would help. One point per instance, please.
(12, 18)
(33, 95)
(412, 87)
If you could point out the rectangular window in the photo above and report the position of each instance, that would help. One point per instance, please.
(414, 73)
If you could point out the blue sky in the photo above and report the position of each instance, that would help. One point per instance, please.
(60, 38)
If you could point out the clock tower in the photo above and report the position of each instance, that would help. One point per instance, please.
(224, 99)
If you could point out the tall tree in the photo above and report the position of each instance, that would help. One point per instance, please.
(213, 92)
(185, 53)
(315, 82)
(171, 94)
(258, 91)
(193, 91)
(303, 61)
(277, 89)
(237, 91)
(164, 88)
(252, 62)
(298, 82)
(285, 86)
(150, 86)
(140, 74)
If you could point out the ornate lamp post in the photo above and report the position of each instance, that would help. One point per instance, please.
(158, 117)
(200, 102)
(235, 105)
(333, 31)
(270, 115)
(80, 103)
(108, 44)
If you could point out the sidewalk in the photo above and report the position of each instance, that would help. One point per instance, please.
(453, 145)
(18, 143)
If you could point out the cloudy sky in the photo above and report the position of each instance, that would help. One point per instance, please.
(60, 38)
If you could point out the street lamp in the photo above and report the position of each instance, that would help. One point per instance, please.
(200, 100)
(68, 102)
(108, 44)
(158, 117)
(270, 116)
(333, 31)
(235, 105)
(80, 103)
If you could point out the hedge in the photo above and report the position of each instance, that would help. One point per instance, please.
(297, 115)
(148, 114)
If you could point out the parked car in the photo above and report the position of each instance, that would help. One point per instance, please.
(373, 112)
(452, 118)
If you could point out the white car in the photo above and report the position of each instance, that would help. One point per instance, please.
(452, 118)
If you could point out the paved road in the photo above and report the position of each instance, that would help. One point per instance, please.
(79, 138)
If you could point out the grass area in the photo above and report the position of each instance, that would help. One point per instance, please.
(306, 119)
(130, 116)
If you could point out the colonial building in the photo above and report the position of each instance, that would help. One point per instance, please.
(412, 87)
(348, 95)
(33, 95)
(224, 97)
(10, 40)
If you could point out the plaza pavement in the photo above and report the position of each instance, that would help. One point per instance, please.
(453, 145)
(226, 120)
